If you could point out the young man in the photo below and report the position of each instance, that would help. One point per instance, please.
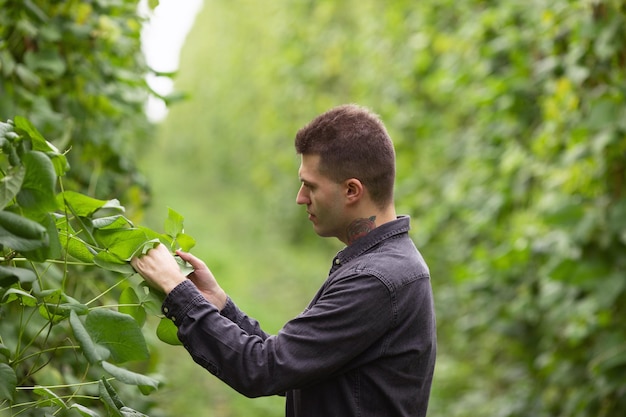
(366, 344)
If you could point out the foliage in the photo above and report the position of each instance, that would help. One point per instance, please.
(61, 344)
(76, 71)
(508, 119)
(535, 204)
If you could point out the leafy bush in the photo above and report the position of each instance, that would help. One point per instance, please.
(61, 341)
(76, 71)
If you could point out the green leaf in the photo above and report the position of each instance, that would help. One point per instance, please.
(122, 243)
(173, 223)
(131, 305)
(93, 352)
(51, 251)
(154, 236)
(185, 267)
(58, 306)
(29, 78)
(11, 274)
(4, 351)
(76, 248)
(46, 62)
(84, 411)
(185, 242)
(8, 382)
(110, 222)
(113, 263)
(153, 299)
(147, 245)
(71, 243)
(117, 332)
(13, 294)
(10, 185)
(25, 127)
(50, 399)
(109, 398)
(131, 378)
(129, 412)
(38, 192)
(21, 234)
(168, 332)
(85, 206)
(59, 161)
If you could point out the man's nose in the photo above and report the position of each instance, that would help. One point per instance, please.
(301, 198)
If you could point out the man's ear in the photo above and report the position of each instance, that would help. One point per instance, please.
(354, 190)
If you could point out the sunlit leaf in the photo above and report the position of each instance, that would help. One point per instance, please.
(122, 243)
(173, 223)
(168, 332)
(185, 242)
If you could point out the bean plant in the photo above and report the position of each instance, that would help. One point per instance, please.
(69, 347)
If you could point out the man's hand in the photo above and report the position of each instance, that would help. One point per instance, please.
(159, 268)
(204, 280)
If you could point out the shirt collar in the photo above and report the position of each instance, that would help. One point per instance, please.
(373, 238)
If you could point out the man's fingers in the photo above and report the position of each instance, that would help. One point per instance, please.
(193, 261)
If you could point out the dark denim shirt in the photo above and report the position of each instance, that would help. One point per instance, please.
(365, 346)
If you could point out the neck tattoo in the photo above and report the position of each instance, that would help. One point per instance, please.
(359, 228)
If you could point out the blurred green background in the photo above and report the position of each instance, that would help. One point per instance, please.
(509, 121)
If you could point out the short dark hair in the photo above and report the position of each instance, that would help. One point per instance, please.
(352, 142)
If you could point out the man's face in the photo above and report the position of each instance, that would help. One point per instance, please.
(324, 199)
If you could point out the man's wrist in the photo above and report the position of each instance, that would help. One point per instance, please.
(168, 285)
